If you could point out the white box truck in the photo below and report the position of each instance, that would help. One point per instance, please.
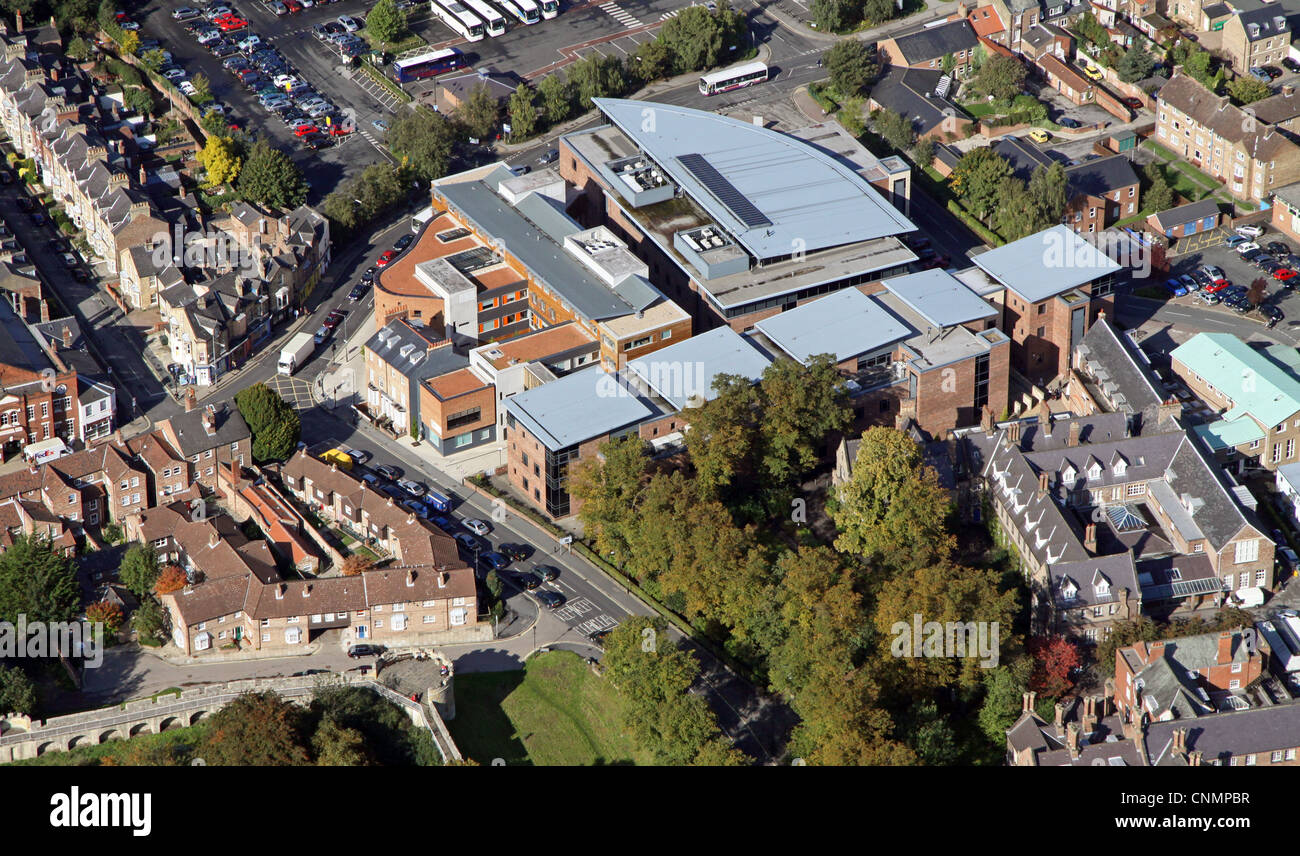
(294, 354)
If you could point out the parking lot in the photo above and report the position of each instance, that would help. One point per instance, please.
(1209, 248)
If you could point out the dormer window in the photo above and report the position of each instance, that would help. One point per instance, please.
(1094, 471)
(1069, 476)
(1120, 467)
(1101, 588)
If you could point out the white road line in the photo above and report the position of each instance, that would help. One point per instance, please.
(618, 14)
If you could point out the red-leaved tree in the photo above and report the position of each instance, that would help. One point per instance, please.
(1055, 658)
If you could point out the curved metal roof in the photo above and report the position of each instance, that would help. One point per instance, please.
(804, 198)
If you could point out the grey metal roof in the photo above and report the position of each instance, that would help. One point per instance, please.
(548, 214)
(845, 324)
(812, 199)
(637, 291)
(538, 252)
(939, 298)
(1048, 263)
(683, 374)
(577, 407)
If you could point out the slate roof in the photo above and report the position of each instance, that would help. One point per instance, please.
(1101, 176)
(906, 91)
(1223, 736)
(193, 439)
(1127, 379)
(1086, 576)
(933, 43)
(1215, 112)
(1189, 213)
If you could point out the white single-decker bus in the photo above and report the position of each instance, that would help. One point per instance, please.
(733, 78)
(460, 19)
(494, 22)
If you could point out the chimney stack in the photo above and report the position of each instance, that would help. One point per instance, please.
(410, 579)
(1045, 421)
(189, 400)
(1195, 759)
(1088, 721)
(213, 538)
(1180, 741)
(1225, 648)
(443, 579)
(1042, 483)
(1090, 538)
(1075, 430)
(1013, 433)
(67, 336)
(1060, 718)
(1072, 740)
(1027, 702)
(280, 589)
(987, 419)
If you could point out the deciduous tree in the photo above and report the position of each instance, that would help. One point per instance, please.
(1000, 76)
(851, 66)
(386, 22)
(977, 178)
(523, 113)
(170, 579)
(255, 730)
(424, 141)
(139, 569)
(892, 508)
(220, 156)
(37, 581)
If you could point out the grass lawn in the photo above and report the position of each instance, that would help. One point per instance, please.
(554, 712)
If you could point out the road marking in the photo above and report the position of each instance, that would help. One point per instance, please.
(673, 14)
(618, 14)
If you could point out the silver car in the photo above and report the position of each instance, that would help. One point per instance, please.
(478, 527)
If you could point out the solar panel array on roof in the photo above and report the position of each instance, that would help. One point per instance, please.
(723, 191)
(452, 234)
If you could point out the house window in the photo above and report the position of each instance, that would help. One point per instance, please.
(1247, 551)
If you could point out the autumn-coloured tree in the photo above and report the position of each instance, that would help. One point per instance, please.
(1055, 657)
(255, 730)
(357, 564)
(107, 613)
(1258, 290)
(171, 578)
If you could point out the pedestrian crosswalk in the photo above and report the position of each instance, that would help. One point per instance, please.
(619, 14)
(673, 14)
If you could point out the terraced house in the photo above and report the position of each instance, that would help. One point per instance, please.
(1251, 158)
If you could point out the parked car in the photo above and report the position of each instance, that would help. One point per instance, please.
(403, 242)
(466, 540)
(478, 527)
(416, 507)
(520, 169)
(1291, 64)
(517, 552)
(1272, 71)
(1277, 248)
(496, 561)
(278, 8)
(552, 155)
(184, 13)
(384, 258)
(357, 455)
(368, 275)
(547, 572)
(1247, 247)
(1250, 230)
(389, 472)
(1218, 286)
(1188, 283)
(70, 261)
(1214, 272)
(1284, 274)
(414, 488)
(335, 318)
(446, 524)
(358, 291)
(1175, 286)
(322, 333)
(1260, 74)
(1132, 103)
(1235, 241)
(528, 581)
(364, 650)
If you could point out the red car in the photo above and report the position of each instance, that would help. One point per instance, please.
(334, 319)
(1218, 285)
(386, 258)
(1284, 274)
(231, 24)
(293, 6)
(1132, 103)
(304, 130)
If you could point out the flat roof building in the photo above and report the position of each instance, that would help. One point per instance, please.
(736, 221)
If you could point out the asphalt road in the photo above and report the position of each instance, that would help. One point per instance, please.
(123, 346)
